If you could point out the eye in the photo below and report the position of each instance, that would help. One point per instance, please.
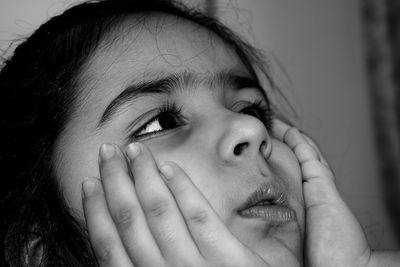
(260, 111)
(168, 117)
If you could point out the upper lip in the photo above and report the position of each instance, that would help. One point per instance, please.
(270, 192)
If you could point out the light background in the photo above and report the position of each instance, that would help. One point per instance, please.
(320, 45)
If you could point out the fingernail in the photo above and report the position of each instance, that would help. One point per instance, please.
(167, 170)
(88, 187)
(133, 150)
(107, 151)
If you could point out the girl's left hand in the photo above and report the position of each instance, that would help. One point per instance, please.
(154, 219)
(334, 237)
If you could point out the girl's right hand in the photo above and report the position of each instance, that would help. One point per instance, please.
(154, 219)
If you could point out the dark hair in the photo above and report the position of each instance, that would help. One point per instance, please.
(39, 87)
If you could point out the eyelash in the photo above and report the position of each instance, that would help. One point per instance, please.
(167, 109)
(263, 113)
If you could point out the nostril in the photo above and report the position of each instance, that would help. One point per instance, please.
(265, 150)
(263, 146)
(239, 148)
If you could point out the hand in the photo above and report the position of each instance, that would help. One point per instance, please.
(154, 219)
(333, 235)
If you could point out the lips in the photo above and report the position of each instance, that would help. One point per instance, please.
(268, 203)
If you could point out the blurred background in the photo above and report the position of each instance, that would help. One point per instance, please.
(335, 60)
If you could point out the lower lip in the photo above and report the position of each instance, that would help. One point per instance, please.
(273, 214)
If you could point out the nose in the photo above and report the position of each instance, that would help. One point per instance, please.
(243, 137)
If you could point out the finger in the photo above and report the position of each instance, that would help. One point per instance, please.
(319, 183)
(162, 213)
(279, 129)
(103, 235)
(210, 234)
(125, 208)
(314, 145)
(296, 141)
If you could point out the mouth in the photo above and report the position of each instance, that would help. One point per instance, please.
(268, 203)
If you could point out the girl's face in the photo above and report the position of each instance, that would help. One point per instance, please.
(177, 88)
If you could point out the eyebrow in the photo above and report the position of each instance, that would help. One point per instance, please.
(169, 83)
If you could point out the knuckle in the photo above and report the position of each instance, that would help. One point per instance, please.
(168, 236)
(181, 188)
(102, 249)
(191, 263)
(110, 167)
(300, 147)
(305, 153)
(106, 170)
(310, 140)
(199, 217)
(125, 218)
(312, 143)
(292, 131)
(158, 208)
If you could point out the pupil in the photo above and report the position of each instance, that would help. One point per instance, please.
(167, 121)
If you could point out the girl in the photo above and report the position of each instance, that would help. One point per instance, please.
(192, 170)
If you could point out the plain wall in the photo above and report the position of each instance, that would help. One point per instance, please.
(320, 45)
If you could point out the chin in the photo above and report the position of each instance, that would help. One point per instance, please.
(280, 246)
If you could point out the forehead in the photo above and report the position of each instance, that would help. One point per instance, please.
(145, 46)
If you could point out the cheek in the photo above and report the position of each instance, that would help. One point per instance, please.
(213, 183)
(195, 166)
(74, 162)
(285, 164)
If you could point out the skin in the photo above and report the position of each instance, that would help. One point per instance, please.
(174, 203)
(334, 237)
(138, 217)
(203, 150)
